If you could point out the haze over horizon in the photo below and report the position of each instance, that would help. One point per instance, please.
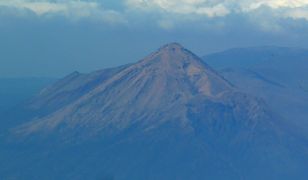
(51, 38)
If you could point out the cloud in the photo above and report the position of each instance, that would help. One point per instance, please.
(40, 8)
(264, 14)
(71, 9)
(165, 24)
(197, 7)
(278, 3)
(167, 14)
(296, 9)
(298, 14)
(215, 8)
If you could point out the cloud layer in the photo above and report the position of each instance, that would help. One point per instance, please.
(67, 35)
(71, 9)
(167, 14)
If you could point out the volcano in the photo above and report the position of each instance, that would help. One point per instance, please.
(150, 93)
(168, 116)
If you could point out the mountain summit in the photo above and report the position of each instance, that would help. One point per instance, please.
(175, 63)
(172, 54)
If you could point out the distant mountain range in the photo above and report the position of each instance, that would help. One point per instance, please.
(276, 74)
(168, 116)
(11, 94)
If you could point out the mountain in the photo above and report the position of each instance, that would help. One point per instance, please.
(283, 64)
(11, 95)
(276, 74)
(14, 93)
(147, 91)
(168, 116)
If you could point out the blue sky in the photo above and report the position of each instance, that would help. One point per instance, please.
(52, 38)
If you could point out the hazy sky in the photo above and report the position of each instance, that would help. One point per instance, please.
(55, 37)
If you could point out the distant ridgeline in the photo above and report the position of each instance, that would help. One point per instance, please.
(304, 85)
(14, 91)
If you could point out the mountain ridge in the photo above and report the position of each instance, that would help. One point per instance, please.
(273, 73)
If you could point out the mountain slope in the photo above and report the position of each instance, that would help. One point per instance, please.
(276, 74)
(168, 116)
